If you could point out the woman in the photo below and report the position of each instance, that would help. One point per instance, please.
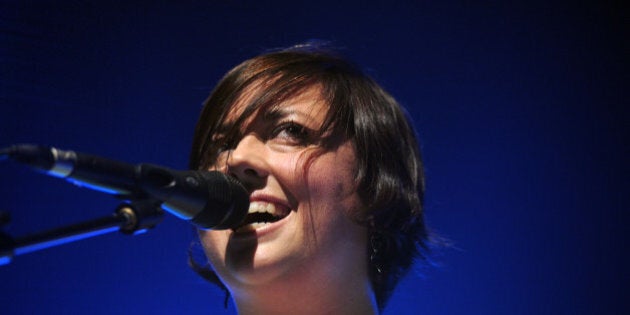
(335, 181)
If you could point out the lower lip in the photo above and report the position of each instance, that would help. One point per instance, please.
(262, 231)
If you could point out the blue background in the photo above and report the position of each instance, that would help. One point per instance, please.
(521, 110)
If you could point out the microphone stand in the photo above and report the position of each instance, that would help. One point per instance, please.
(134, 217)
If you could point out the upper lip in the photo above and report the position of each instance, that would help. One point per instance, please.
(264, 197)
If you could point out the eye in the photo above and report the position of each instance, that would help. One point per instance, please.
(292, 132)
(224, 146)
(222, 143)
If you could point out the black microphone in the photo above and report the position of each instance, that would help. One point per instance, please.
(209, 199)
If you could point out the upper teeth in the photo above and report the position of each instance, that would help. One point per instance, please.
(265, 207)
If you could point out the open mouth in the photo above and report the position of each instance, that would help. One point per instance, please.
(261, 214)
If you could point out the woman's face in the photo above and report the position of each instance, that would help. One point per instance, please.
(300, 198)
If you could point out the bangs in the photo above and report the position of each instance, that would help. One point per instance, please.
(254, 93)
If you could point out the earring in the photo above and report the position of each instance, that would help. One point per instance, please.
(378, 245)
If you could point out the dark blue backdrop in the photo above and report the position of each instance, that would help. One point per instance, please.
(520, 108)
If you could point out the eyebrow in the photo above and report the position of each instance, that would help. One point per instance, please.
(276, 113)
(272, 114)
(279, 112)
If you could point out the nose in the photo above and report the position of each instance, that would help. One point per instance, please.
(247, 162)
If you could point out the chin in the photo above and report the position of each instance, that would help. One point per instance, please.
(264, 254)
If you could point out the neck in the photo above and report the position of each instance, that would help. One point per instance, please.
(308, 294)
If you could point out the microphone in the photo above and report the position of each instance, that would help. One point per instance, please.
(208, 199)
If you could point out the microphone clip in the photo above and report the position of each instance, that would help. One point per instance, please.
(132, 218)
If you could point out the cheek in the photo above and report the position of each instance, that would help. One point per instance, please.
(331, 176)
(214, 243)
(333, 207)
(220, 163)
(330, 185)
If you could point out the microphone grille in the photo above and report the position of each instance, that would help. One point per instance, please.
(231, 206)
